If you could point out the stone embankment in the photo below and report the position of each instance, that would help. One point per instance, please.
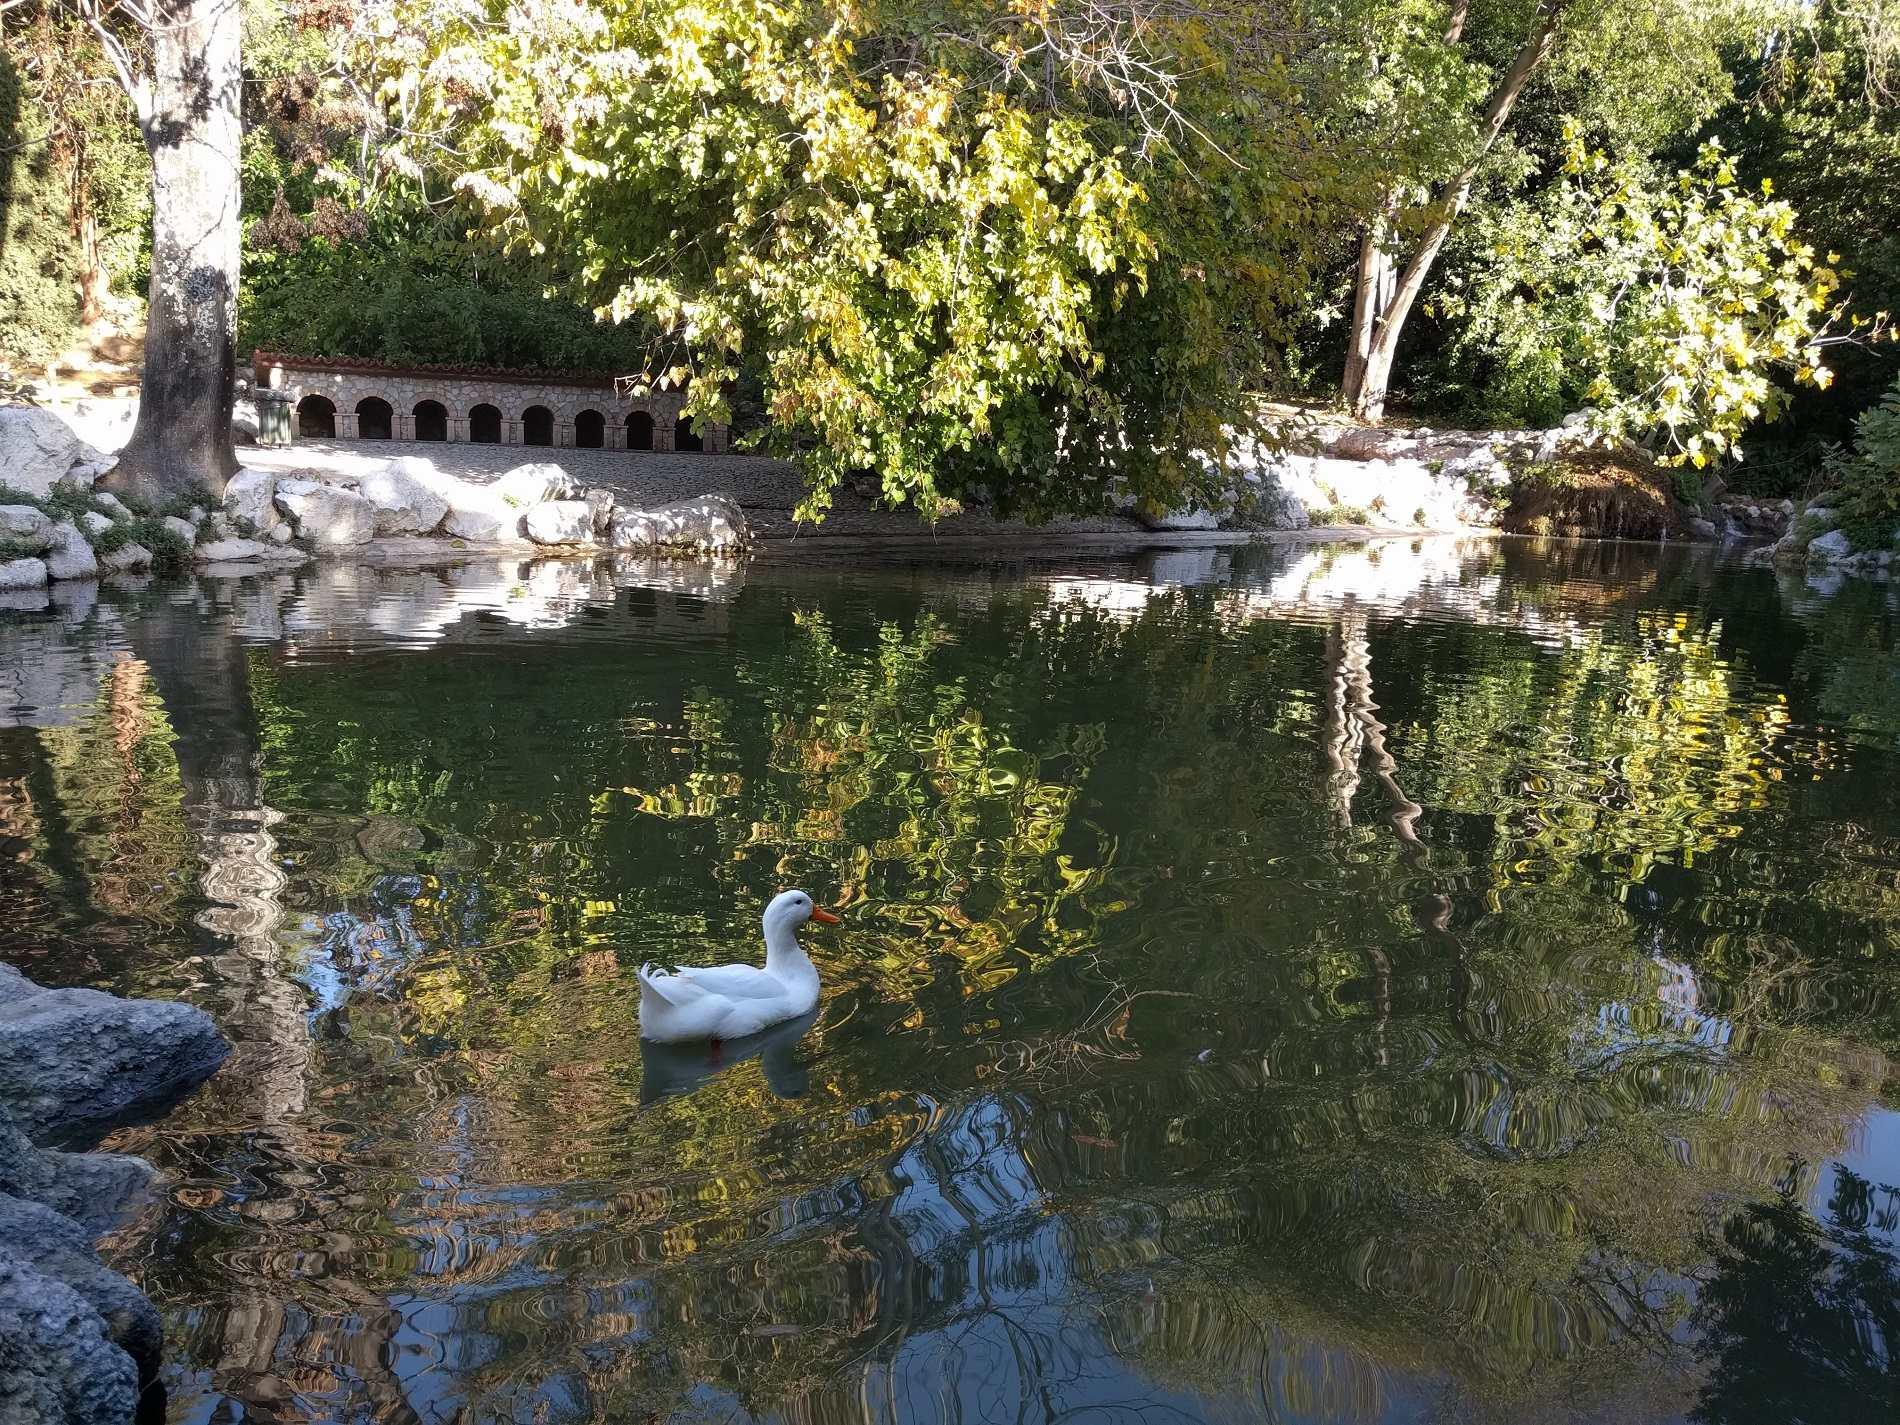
(78, 1342)
(56, 525)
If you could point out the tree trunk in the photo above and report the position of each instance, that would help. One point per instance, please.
(1369, 368)
(190, 119)
(1372, 293)
(94, 280)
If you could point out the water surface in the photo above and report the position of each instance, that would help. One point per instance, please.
(1428, 982)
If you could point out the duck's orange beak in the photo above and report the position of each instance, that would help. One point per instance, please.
(824, 917)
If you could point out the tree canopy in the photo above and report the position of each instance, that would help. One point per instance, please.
(1052, 253)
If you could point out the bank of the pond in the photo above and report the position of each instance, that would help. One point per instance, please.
(79, 1343)
(431, 502)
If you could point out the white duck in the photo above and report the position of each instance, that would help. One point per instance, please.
(732, 1001)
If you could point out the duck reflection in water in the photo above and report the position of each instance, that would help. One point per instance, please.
(668, 1069)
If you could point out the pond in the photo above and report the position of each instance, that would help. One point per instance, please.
(1438, 980)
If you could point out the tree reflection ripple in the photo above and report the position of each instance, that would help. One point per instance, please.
(1391, 984)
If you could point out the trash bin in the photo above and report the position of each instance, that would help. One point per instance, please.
(273, 417)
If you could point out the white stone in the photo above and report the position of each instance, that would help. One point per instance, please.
(480, 524)
(95, 523)
(184, 529)
(71, 557)
(327, 516)
(37, 448)
(114, 505)
(22, 524)
(560, 522)
(1830, 546)
(405, 497)
(709, 522)
(88, 471)
(280, 533)
(126, 558)
(250, 495)
(234, 551)
(23, 574)
(527, 485)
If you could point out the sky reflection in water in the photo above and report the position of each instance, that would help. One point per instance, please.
(1439, 981)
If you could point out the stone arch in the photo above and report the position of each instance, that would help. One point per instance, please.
(537, 426)
(432, 420)
(590, 429)
(316, 417)
(685, 437)
(375, 419)
(484, 424)
(640, 431)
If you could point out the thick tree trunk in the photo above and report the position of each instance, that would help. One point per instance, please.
(190, 118)
(1369, 366)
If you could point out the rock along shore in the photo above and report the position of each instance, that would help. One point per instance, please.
(78, 1342)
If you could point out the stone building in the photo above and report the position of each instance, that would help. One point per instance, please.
(347, 398)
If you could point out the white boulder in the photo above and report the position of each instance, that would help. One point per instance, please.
(708, 522)
(329, 516)
(22, 524)
(184, 529)
(481, 523)
(251, 495)
(95, 523)
(70, 556)
(405, 495)
(37, 448)
(23, 574)
(560, 522)
(527, 485)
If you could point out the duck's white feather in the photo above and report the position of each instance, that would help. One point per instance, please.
(733, 1001)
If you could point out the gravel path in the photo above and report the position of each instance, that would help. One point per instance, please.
(767, 490)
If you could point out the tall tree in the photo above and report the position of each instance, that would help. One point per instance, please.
(1385, 293)
(177, 61)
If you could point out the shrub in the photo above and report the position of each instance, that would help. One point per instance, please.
(1868, 476)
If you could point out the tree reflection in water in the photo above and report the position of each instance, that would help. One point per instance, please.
(1799, 1319)
(1332, 986)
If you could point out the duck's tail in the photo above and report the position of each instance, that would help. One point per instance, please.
(654, 984)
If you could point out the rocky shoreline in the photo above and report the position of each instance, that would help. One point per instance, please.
(56, 526)
(386, 502)
(78, 1342)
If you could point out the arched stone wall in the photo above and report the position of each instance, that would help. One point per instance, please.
(346, 383)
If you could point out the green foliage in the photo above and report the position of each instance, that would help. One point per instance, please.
(1677, 305)
(912, 263)
(413, 287)
(171, 551)
(39, 273)
(1818, 114)
(1868, 476)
